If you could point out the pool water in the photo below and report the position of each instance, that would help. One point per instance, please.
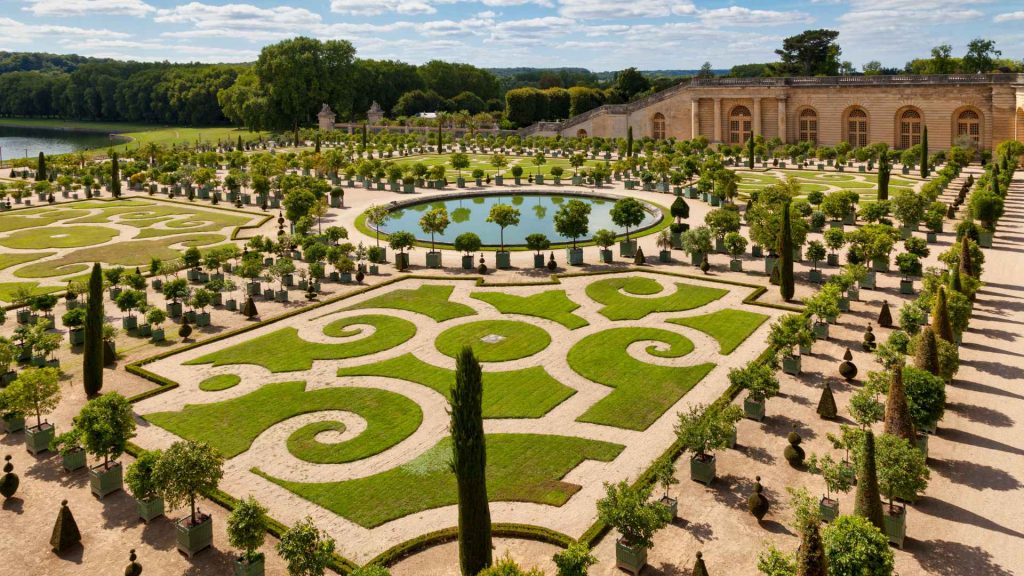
(536, 215)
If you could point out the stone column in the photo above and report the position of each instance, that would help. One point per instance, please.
(718, 120)
(694, 118)
(757, 116)
(782, 119)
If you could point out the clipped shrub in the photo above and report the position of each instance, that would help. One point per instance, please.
(574, 560)
(868, 502)
(638, 258)
(827, 403)
(65, 530)
(885, 316)
(793, 453)
(133, 568)
(897, 411)
(758, 503)
(699, 569)
(868, 344)
(847, 369)
(854, 546)
(926, 353)
(10, 482)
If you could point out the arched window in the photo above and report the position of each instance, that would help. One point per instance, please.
(658, 126)
(740, 125)
(809, 126)
(857, 128)
(968, 124)
(910, 129)
(581, 133)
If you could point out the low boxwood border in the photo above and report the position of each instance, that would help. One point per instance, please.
(665, 222)
(524, 531)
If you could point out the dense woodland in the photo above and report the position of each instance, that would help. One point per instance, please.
(285, 87)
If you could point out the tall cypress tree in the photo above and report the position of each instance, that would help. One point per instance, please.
(811, 560)
(954, 280)
(750, 152)
(41, 168)
(92, 351)
(994, 185)
(940, 316)
(785, 264)
(966, 266)
(115, 176)
(869, 501)
(884, 170)
(897, 412)
(440, 135)
(629, 142)
(469, 461)
(926, 357)
(924, 152)
(316, 143)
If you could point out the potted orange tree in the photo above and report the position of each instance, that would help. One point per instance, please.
(701, 431)
(106, 424)
(140, 480)
(36, 391)
(629, 510)
(185, 471)
(247, 530)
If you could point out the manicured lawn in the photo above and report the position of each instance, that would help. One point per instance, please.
(142, 214)
(61, 236)
(511, 340)
(619, 306)
(729, 327)
(430, 300)
(526, 393)
(304, 445)
(9, 290)
(520, 468)
(553, 305)
(219, 382)
(232, 425)
(483, 162)
(8, 259)
(642, 392)
(131, 253)
(36, 217)
(284, 351)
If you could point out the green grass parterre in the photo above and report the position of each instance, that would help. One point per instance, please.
(619, 306)
(430, 300)
(552, 305)
(730, 327)
(511, 340)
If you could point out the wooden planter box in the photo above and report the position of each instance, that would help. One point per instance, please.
(703, 471)
(820, 330)
(672, 504)
(253, 568)
(193, 539)
(895, 518)
(38, 438)
(402, 260)
(791, 365)
(753, 408)
(538, 260)
(574, 256)
(628, 558)
(503, 260)
(150, 509)
(106, 481)
(605, 256)
(73, 460)
(829, 509)
(433, 259)
(627, 249)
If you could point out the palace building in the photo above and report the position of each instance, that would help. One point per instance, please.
(984, 108)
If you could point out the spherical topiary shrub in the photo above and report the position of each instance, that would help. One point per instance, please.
(827, 408)
(186, 329)
(551, 262)
(848, 369)
(482, 268)
(869, 340)
(9, 483)
(133, 568)
(885, 316)
(705, 265)
(758, 503)
(793, 453)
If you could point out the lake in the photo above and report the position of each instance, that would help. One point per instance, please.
(14, 142)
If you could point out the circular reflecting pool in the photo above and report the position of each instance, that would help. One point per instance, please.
(536, 215)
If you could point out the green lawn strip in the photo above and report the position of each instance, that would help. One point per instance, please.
(219, 382)
(232, 425)
(516, 340)
(729, 327)
(643, 392)
(9, 290)
(553, 305)
(283, 350)
(303, 443)
(8, 259)
(36, 218)
(131, 253)
(527, 393)
(520, 468)
(618, 306)
(58, 237)
(144, 215)
(430, 300)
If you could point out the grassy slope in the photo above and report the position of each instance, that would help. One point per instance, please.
(520, 468)
(642, 392)
(232, 425)
(527, 393)
(729, 327)
(553, 305)
(618, 306)
(283, 350)
(520, 340)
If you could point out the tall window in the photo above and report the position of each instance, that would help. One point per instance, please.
(809, 126)
(910, 129)
(968, 123)
(658, 126)
(740, 125)
(857, 128)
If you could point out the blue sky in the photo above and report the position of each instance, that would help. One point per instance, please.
(596, 34)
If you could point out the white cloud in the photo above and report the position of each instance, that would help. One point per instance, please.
(595, 9)
(377, 7)
(88, 7)
(244, 17)
(1009, 17)
(19, 32)
(740, 16)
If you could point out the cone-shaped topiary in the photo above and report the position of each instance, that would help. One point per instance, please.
(638, 258)
(847, 369)
(65, 530)
(954, 280)
(868, 344)
(940, 316)
(885, 316)
(699, 569)
(810, 560)
(868, 502)
(705, 265)
(897, 413)
(966, 266)
(249, 308)
(758, 503)
(926, 357)
(785, 264)
(133, 568)
(10, 482)
(827, 403)
(793, 453)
